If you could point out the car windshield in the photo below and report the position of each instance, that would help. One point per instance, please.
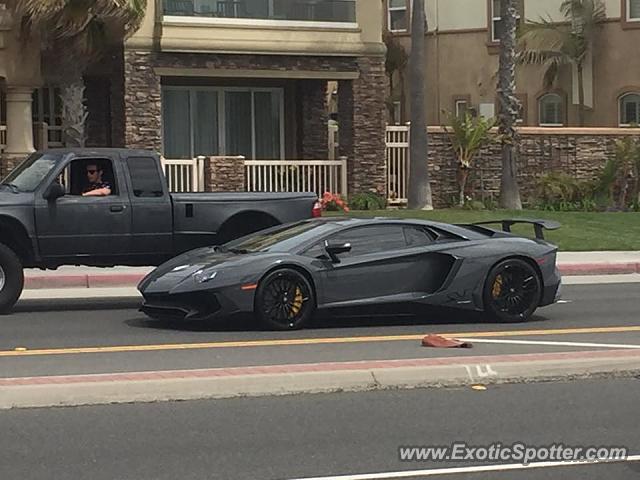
(27, 176)
(280, 239)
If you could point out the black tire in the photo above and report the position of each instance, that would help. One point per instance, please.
(284, 300)
(512, 291)
(11, 278)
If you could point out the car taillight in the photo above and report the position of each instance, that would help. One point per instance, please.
(317, 210)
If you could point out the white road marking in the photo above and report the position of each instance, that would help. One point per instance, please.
(551, 343)
(461, 470)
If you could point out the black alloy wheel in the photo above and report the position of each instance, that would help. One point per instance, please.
(284, 300)
(512, 291)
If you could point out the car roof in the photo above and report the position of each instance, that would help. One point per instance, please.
(357, 221)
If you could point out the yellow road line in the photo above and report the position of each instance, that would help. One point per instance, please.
(308, 341)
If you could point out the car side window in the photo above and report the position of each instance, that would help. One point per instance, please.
(76, 179)
(372, 239)
(417, 236)
(145, 179)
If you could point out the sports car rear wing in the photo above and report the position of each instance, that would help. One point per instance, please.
(538, 225)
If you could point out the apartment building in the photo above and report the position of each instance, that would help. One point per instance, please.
(238, 77)
(463, 54)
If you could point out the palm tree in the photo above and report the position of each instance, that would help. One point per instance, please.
(76, 33)
(554, 45)
(509, 105)
(419, 186)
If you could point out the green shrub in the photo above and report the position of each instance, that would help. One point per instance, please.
(367, 201)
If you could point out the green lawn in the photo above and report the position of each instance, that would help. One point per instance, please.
(580, 231)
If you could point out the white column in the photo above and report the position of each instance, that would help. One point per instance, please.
(19, 122)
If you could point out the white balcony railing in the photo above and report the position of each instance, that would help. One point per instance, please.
(397, 164)
(296, 176)
(287, 10)
(184, 175)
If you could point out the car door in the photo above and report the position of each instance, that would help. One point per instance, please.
(152, 211)
(74, 225)
(385, 261)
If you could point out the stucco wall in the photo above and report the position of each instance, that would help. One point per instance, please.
(460, 64)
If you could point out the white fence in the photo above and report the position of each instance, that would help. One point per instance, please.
(317, 176)
(397, 164)
(296, 176)
(184, 175)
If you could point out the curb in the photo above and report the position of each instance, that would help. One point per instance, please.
(33, 282)
(570, 269)
(216, 383)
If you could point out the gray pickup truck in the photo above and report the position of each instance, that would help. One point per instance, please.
(46, 222)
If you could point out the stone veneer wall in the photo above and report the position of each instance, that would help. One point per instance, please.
(362, 119)
(224, 174)
(142, 102)
(581, 153)
(315, 134)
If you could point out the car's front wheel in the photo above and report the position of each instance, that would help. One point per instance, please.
(512, 291)
(284, 300)
(11, 278)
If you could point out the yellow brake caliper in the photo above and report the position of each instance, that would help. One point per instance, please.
(497, 287)
(297, 303)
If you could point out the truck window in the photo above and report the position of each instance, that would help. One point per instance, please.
(145, 179)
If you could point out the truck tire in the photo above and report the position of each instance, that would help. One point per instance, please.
(11, 278)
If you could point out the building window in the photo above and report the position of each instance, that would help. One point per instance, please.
(633, 10)
(223, 121)
(47, 108)
(630, 109)
(550, 107)
(341, 11)
(496, 19)
(462, 107)
(398, 15)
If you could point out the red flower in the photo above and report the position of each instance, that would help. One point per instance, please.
(331, 201)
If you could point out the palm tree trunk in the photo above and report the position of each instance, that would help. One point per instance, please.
(74, 114)
(509, 192)
(580, 95)
(419, 186)
(464, 175)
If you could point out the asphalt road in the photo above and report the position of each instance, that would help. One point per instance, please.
(320, 435)
(108, 323)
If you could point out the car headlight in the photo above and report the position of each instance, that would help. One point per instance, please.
(204, 275)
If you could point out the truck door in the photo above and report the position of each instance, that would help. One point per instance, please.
(151, 209)
(77, 225)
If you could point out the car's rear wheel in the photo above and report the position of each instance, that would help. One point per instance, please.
(284, 300)
(11, 278)
(512, 291)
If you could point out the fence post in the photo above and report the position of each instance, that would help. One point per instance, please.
(198, 173)
(343, 176)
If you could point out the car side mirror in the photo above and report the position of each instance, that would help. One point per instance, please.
(334, 249)
(54, 191)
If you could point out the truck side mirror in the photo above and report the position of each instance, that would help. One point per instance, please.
(54, 191)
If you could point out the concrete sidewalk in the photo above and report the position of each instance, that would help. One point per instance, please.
(570, 263)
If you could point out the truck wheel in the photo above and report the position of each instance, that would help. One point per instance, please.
(11, 278)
